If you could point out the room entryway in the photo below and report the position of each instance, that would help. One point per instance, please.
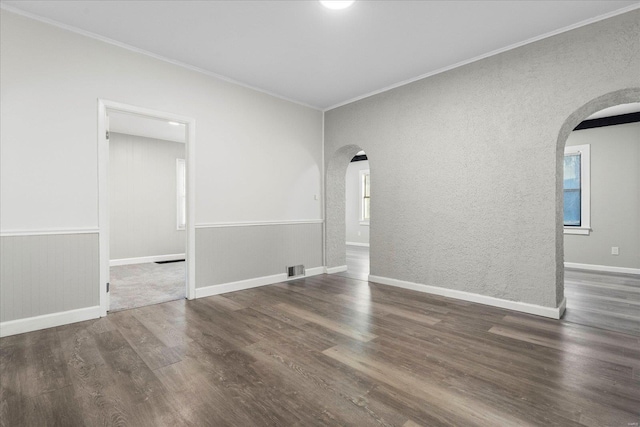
(357, 216)
(601, 237)
(146, 222)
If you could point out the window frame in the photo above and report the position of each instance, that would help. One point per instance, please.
(181, 194)
(585, 189)
(363, 173)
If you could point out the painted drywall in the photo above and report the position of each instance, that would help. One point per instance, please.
(356, 232)
(467, 163)
(258, 157)
(51, 79)
(142, 197)
(66, 263)
(255, 251)
(615, 198)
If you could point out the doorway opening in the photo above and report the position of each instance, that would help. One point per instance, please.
(348, 161)
(599, 217)
(145, 206)
(357, 217)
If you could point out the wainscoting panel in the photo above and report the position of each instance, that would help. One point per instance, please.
(45, 274)
(226, 254)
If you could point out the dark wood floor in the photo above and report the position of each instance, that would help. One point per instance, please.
(603, 300)
(325, 350)
(357, 263)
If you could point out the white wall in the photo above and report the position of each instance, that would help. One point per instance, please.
(258, 158)
(356, 232)
(615, 198)
(51, 79)
(142, 197)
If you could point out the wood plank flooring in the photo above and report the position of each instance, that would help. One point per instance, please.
(603, 300)
(325, 350)
(357, 263)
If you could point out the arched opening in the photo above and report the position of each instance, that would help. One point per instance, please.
(357, 217)
(336, 208)
(585, 166)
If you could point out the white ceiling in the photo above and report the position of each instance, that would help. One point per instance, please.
(301, 51)
(633, 107)
(131, 124)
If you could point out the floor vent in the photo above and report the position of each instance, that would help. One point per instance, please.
(296, 270)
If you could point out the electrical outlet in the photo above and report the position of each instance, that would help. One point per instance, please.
(615, 250)
(315, 197)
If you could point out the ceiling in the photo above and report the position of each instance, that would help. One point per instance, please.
(301, 51)
(617, 110)
(132, 124)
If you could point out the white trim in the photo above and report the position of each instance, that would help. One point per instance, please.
(338, 269)
(552, 312)
(489, 54)
(253, 283)
(145, 259)
(362, 173)
(576, 230)
(20, 326)
(180, 167)
(606, 268)
(103, 200)
(147, 53)
(323, 203)
(257, 223)
(49, 232)
(364, 245)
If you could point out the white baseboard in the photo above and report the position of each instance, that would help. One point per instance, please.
(253, 283)
(606, 268)
(554, 313)
(145, 259)
(365, 245)
(20, 326)
(338, 269)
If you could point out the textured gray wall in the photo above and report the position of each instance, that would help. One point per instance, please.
(142, 197)
(230, 254)
(468, 162)
(615, 198)
(47, 274)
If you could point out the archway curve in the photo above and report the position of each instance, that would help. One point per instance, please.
(611, 99)
(335, 228)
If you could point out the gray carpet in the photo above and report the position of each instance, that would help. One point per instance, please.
(138, 285)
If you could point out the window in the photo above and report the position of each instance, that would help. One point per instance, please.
(365, 196)
(181, 194)
(577, 191)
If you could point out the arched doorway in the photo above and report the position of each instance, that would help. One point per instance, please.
(624, 96)
(335, 208)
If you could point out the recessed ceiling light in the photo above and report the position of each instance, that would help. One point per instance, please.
(175, 123)
(337, 4)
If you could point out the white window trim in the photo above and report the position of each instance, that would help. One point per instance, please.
(585, 189)
(180, 163)
(363, 221)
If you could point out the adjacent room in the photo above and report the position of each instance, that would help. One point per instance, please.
(601, 220)
(320, 213)
(147, 210)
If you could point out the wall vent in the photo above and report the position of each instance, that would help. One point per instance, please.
(296, 270)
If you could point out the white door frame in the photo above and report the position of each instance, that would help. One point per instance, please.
(105, 106)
